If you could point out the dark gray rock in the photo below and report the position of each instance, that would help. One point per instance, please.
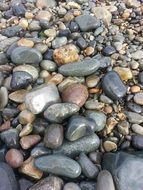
(24, 184)
(18, 10)
(3, 59)
(81, 68)
(11, 31)
(85, 185)
(73, 26)
(25, 55)
(87, 22)
(40, 150)
(82, 44)
(3, 151)
(113, 86)
(134, 107)
(59, 165)
(109, 50)
(141, 77)
(137, 142)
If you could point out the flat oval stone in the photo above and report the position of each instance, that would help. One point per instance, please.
(77, 127)
(134, 107)
(75, 93)
(48, 183)
(41, 97)
(105, 180)
(3, 97)
(137, 142)
(53, 137)
(138, 129)
(113, 86)
(7, 178)
(18, 96)
(138, 98)
(86, 144)
(88, 168)
(81, 68)
(98, 117)
(59, 112)
(134, 117)
(48, 65)
(25, 55)
(59, 165)
(109, 50)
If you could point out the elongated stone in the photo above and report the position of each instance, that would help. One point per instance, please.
(41, 97)
(25, 55)
(58, 112)
(59, 165)
(134, 117)
(86, 144)
(113, 86)
(81, 68)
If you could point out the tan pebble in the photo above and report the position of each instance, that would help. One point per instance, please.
(135, 89)
(121, 116)
(50, 32)
(108, 109)
(45, 75)
(18, 96)
(125, 15)
(29, 169)
(29, 15)
(27, 129)
(76, 13)
(21, 107)
(125, 73)
(44, 15)
(88, 51)
(110, 124)
(68, 17)
(23, 23)
(25, 42)
(109, 146)
(5, 126)
(95, 90)
(28, 141)
(57, 79)
(74, 5)
(26, 117)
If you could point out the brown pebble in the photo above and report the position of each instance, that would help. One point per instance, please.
(25, 42)
(95, 90)
(135, 89)
(108, 109)
(14, 158)
(6, 125)
(29, 15)
(68, 17)
(110, 124)
(109, 146)
(28, 141)
(75, 93)
(26, 117)
(88, 51)
(18, 96)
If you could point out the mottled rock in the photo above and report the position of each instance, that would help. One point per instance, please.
(48, 65)
(137, 55)
(138, 98)
(28, 141)
(124, 73)
(59, 41)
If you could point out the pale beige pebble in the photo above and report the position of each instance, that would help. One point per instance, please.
(135, 89)
(126, 14)
(21, 107)
(66, 54)
(50, 32)
(45, 75)
(28, 141)
(43, 4)
(27, 129)
(109, 146)
(29, 15)
(44, 15)
(74, 5)
(138, 98)
(3, 97)
(25, 42)
(26, 117)
(92, 80)
(125, 73)
(88, 51)
(110, 124)
(76, 12)
(138, 129)
(18, 96)
(108, 109)
(56, 79)
(23, 23)
(132, 3)
(30, 170)
(68, 17)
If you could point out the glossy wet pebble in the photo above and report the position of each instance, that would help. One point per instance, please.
(71, 186)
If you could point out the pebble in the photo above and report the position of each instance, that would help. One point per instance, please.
(4, 44)
(3, 97)
(6, 125)
(134, 107)
(48, 183)
(141, 77)
(134, 117)
(86, 144)
(73, 26)
(113, 86)
(103, 14)
(138, 129)
(7, 178)
(81, 68)
(137, 142)
(95, 157)
(137, 55)
(78, 126)
(18, 96)
(90, 185)
(3, 58)
(123, 127)
(105, 99)
(66, 54)
(44, 15)
(30, 170)
(109, 146)
(108, 50)
(11, 31)
(47, 93)
(25, 55)
(98, 117)
(81, 42)
(53, 137)
(45, 3)
(27, 129)
(87, 22)
(59, 165)
(14, 158)
(138, 98)
(71, 186)
(59, 41)
(92, 80)
(76, 94)
(124, 73)
(135, 89)
(24, 183)
(105, 180)
(88, 168)
(59, 112)
(48, 65)
(20, 79)
(28, 141)
(94, 105)
(18, 10)
(26, 117)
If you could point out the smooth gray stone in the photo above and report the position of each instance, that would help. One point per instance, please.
(41, 97)
(25, 55)
(24, 183)
(7, 178)
(105, 180)
(71, 186)
(98, 117)
(48, 183)
(89, 169)
(134, 117)
(58, 112)
(137, 142)
(113, 86)
(40, 151)
(126, 169)
(134, 107)
(78, 126)
(81, 68)
(11, 31)
(86, 144)
(3, 59)
(58, 42)
(48, 65)
(87, 22)
(58, 165)
(7, 42)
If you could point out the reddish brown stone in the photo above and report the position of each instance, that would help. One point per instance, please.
(5, 126)
(14, 158)
(75, 93)
(29, 140)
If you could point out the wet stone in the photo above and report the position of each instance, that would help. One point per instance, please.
(108, 50)
(59, 165)
(28, 141)
(71, 186)
(58, 42)
(59, 112)
(137, 141)
(138, 129)
(48, 65)
(82, 44)
(18, 10)
(24, 183)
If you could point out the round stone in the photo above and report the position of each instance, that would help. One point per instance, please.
(14, 158)
(138, 129)
(48, 65)
(138, 98)
(44, 15)
(71, 186)
(75, 93)
(28, 141)
(109, 146)
(18, 96)
(58, 42)
(45, 3)
(137, 142)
